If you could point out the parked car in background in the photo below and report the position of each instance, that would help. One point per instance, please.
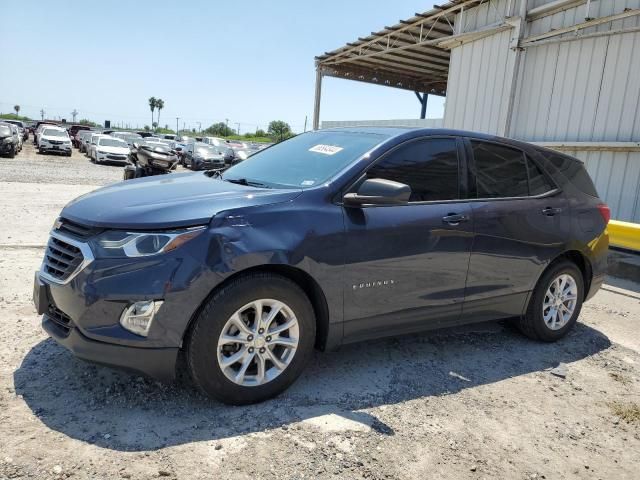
(91, 144)
(23, 131)
(111, 150)
(200, 156)
(39, 125)
(73, 133)
(131, 138)
(54, 139)
(8, 145)
(327, 238)
(16, 133)
(217, 141)
(83, 137)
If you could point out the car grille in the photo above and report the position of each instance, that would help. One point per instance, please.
(77, 230)
(55, 142)
(61, 319)
(117, 157)
(61, 259)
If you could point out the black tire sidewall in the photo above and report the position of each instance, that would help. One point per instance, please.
(535, 308)
(203, 338)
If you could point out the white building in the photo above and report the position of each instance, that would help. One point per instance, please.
(564, 73)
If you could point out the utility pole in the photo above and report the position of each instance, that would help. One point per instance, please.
(226, 120)
(74, 114)
(177, 120)
(238, 131)
(42, 112)
(199, 127)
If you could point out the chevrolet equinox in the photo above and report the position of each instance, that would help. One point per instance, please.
(331, 237)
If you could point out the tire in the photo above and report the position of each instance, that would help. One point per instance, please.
(533, 323)
(204, 361)
(13, 153)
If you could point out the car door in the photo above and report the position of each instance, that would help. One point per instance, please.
(521, 223)
(406, 265)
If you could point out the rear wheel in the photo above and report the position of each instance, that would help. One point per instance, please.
(555, 303)
(252, 339)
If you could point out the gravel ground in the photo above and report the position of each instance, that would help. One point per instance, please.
(475, 402)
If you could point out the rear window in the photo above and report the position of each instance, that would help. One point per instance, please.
(573, 169)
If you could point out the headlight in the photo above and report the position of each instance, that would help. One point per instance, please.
(8, 140)
(119, 244)
(102, 152)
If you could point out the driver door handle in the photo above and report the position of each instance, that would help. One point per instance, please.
(455, 219)
(551, 211)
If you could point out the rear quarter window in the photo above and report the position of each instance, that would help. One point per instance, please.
(574, 171)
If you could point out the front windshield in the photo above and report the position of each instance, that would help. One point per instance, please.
(5, 130)
(305, 160)
(111, 142)
(52, 132)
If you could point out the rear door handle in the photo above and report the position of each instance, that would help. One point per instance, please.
(455, 219)
(551, 211)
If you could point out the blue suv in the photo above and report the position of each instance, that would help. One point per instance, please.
(331, 237)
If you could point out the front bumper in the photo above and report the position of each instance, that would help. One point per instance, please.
(83, 312)
(55, 148)
(112, 158)
(158, 363)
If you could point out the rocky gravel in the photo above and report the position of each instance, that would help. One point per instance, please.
(31, 167)
(474, 402)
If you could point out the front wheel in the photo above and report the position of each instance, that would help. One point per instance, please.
(555, 303)
(252, 339)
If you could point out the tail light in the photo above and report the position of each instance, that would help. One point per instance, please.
(605, 211)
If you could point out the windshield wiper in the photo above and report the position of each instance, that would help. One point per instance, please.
(248, 183)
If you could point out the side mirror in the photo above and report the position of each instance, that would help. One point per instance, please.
(378, 191)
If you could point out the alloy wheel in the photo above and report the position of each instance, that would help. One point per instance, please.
(258, 342)
(560, 301)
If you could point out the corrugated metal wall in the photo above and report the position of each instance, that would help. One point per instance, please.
(583, 90)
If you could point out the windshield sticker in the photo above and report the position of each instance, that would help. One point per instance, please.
(307, 183)
(326, 149)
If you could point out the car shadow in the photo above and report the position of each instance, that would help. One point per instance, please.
(125, 412)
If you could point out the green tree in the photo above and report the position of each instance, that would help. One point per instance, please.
(17, 109)
(152, 105)
(146, 128)
(219, 129)
(155, 125)
(159, 106)
(260, 133)
(279, 130)
(86, 121)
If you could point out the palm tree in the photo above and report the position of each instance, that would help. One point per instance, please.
(152, 105)
(17, 109)
(160, 106)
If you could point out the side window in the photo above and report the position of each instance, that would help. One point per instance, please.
(500, 171)
(429, 167)
(538, 182)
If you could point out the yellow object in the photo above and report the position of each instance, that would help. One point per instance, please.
(624, 234)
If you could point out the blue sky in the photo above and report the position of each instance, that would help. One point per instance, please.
(249, 61)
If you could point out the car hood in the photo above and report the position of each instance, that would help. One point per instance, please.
(115, 150)
(167, 201)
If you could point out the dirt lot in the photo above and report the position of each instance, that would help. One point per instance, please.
(477, 402)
